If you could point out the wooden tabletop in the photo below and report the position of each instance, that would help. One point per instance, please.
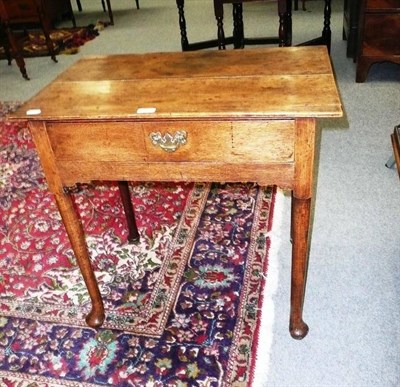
(252, 83)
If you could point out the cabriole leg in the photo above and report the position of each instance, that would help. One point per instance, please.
(73, 226)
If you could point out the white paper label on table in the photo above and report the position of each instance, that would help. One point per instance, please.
(146, 110)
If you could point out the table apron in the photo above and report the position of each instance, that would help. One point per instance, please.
(280, 174)
(260, 151)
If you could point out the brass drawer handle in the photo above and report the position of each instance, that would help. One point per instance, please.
(169, 142)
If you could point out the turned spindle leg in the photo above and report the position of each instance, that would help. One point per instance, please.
(238, 29)
(219, 16)
(326, 32)
(182, 25)
(285, 22)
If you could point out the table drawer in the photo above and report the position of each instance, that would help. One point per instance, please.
(259, 151)
(239, 141)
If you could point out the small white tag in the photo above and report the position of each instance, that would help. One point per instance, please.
(148, 110)
(33, 112)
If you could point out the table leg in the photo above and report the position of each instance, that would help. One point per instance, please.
(76, 236)
(16, 51)
(110, 12)
(71, 221)
(301, 215)
(300, 227)
(133, 235)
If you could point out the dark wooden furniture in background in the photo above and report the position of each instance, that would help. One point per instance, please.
(5, 43)
(20, 15)
(257, 124)
(396, 146)
(351, 15)
(238, 40)
(105, 8)
(56, 10)
(379, 35)
(296, 5)
(325, 38)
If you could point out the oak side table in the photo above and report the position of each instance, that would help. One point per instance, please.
(214, 116)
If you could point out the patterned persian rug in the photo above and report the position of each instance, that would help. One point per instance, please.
(65, 40)
(183, 307)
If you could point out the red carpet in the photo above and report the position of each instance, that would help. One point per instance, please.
(183, 307)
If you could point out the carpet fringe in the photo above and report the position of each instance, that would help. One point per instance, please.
(263, 351)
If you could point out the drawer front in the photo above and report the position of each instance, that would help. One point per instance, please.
(243, 141)
(258, 151)
(383, 5)
(382, 34)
